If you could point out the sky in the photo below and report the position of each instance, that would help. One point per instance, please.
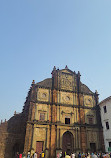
(36, 35)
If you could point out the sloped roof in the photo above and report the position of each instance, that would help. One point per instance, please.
(85, 89)
(47, 83)
(103, 101)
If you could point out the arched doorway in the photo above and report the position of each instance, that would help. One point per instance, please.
(67, 143)
(16, 148)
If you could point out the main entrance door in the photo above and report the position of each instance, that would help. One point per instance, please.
(67, 143)
(39, 148)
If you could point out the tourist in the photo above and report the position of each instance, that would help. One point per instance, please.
(35, 155)
(88, 155)
(28, 156)
(20, 155)
(67, 156)
(17, 155)
(23, 155)
(79, 155)
(42, 155)
(60, 154)
(93, 155)
(73, 155)
(83, 155)
(106, 155)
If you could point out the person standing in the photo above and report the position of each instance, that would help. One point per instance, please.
(42, 154)
(88, 156)
(67, 156)
(20, 155)
(23, 155)
(60, 154)
(35, 155)
(57, 155)
(17, 155)
(79, 155)
(28, 156)
(73, 155)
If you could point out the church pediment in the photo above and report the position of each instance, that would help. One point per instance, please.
(66, 79)
(67, 71)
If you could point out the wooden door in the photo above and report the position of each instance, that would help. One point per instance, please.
(39, 148)
(67, 143)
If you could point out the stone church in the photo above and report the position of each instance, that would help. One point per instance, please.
(60, 114)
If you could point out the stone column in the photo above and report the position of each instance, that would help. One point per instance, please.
(83, 139)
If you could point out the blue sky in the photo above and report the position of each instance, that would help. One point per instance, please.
(36, 35)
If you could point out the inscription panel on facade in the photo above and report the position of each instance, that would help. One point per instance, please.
(66, 81)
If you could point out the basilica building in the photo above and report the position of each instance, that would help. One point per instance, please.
(61, 114)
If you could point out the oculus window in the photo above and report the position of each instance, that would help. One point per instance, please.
(44, 95)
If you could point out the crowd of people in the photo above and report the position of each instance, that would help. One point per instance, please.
(34, 155)
(85, 155)
(73, 155)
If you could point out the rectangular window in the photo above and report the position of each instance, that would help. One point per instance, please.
(90, 120)
(110, 144)
(42, 116)
(107, 125)
(67, 120)
(105, 110)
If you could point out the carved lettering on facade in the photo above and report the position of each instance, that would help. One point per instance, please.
(66, 82)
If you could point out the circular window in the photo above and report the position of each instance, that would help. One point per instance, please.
(88, 101)
(67, 98)
(44, 95)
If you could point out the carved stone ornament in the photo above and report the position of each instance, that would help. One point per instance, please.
(88, 101)
(66, 82)
(66, 99)
(42, 96)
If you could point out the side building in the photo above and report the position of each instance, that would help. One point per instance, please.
(105, 108)
(60, 114)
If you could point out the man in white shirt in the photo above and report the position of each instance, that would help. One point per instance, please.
(73, 155)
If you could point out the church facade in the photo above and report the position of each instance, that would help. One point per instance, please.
(61, 114)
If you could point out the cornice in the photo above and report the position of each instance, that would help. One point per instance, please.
(65, 105)
(63, 90)
(62, 124)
